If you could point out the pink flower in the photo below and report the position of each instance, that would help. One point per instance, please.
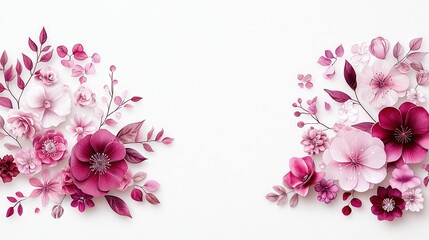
(81, 126)
(382, 86)
(379, 47)
(49, 189)
(413, 200)
(51, 103)
(84, 97)
(361, 55)
(126, 182)
(67, 181)
(47, 75)
(356, 159)
(97, 163)
(302, 175)
(81, 200)
(27, 162)
(50, 147)
(403, 178)
(327, 190)
(422, 78)
(23, 124)
(315, 141)
(404, 131)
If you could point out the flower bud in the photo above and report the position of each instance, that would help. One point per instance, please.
(422, 77)
(300, 124)
(57, 211)
(379, 47)
(297, 114)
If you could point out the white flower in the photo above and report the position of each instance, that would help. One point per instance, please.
(361, 55)
(413, 200)
(348, 111)
(414, 96)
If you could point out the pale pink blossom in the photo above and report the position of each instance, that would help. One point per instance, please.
(23, 124)
(403, 178)
(47, 75)
(315, 141)
(348, 112)
(84, 97)
(422, 77)
(361, 55)
(382, 85)
(27, 162)
(379, 47)
(49, 188)
(127, 181)
(329, 72)
(415, 96)
(413, 200)
(81, 126)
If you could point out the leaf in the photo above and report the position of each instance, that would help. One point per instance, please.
(137, 195)
(136, 99)
(398, 50)
(12, 199)
(19, 194)
(426, 181)
(327, 106)
(118, 205)
(10, 212)
(18, 67)
(364, 126)
(282, 200)
(47, 56)
(152, 199)
(280, 190)
(355, 202)
(159, 135)
(147, 147)
(1, 122)
(272, 197)
(46, 48)
(89, 68)
(62, 51)
(133, 156)
(339, 51)
(2, 88)
(32, 45)
(294, 200)
(8, 74)
(139, 176)
(118, 100)
(20, 83)
(346, 195)
(80, 55)
(5, 102)
(417, 66)
(11, 147)
(111, 122)
(150, 133)
(77, 48)
(28, 63)
(324, 61)
(151, 185)
(167, 140)
(129, 132)
(415, 44)
(43, 36)
(350, 75)
(338, 96)
(67, 63)
(416, 56)
(346, 210)
(328, 54)
(3, 59)
(20, 209)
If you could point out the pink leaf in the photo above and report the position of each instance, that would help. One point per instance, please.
(20, 83)
(77, 48)
(18, 67)
(346, 195)
(20, 209)
(1, 122)
(338, 96)
(329, 54)
(118, 205)
(416, 56)
(82, 79)
(11, 147)
(111, 122)
(152, 199)
(364, 126)
(417, 66)
(19, 194)
(133, 156)
(397, 50)
(10, 212)
(350, 75)
(147, 147)
(2, 88)
(43, 36)
(12, 199)
(339, 51)
(294, 200)
(139, 176)
(137, 195)
(167, 140)
(4, 58)
(32, 45)
(355, 202)
(96, 58)
(77, 71)
(118, 100)
(282, 200)
(5, 102)
(8, 74)
(159, 135)
(136, 99)
(415, 44)
(324, 61)
(129, 132)
(46, 48)
(89, 68)
(47, 56)
(150, 133)
(327, 106)
(272, 197)
(80, 55)
(36, 210)
(151, 185)
(280, 190)
(62, 51)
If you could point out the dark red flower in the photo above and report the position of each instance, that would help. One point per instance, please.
(387, 204)
(8, 168)
(81, 200)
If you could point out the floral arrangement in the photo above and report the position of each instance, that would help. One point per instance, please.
(92, 162)
(364, 155)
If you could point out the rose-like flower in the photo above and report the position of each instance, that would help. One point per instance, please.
(404, 131)
(47, 75)
(127, 181)
(327, 190)
(97, 163)
(8, 168)
(379, 47)
(413, 200)
(387, 204)
(67, 181)
(356, 159)
(315, 141)
(302, 175)
(23, 124)
(422, 77)
(50, 147)
(403, 178)
(27, 162)
(84, 97)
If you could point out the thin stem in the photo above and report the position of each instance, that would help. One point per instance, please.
(360, 104)
(146, 141)
(8, 89)
(16, 139)
(38, 54)
(19, 201)
(315, 118)
(406, 55)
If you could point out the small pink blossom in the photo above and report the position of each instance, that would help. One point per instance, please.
(329, 72)
(305, 81)
(67, 181)
(27, 162)
(413, 200)
(361, 56)
(415, 96)
(127, 181)
(50, 147)
(49, 188)
(327, 190)
(47, 75)
(315, 141)
(84, 97)
(403, 178)
(81, 126)
(23, 124)
(348, 112)
(379, 47)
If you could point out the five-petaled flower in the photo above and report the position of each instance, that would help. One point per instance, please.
(49, 188)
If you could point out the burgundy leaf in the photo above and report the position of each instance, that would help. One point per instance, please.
(2, 88)
(77, 48)
(43, 36)
(167, 140)
(324, 61)
(136, 99)
(282, 200)
(118, 205)
(294, 200)
(397, 50)
(346, 210)
(129, 132)
(20, 83)
(47, 56)
(150, 133)
(5, 102)
(62, 51)
(32, 45)
(46, 48)
(272, 197)
(4, 58)
(159, 135)
(137, 195)
(339, 51)
(416, 56)
(364, 126)
(8, 74)
(280, 190)
(346, 195)
(350, 75)
(355, 202)
(415, 44)
(338, 96)
(80, 55)
(10, 212)
(147, 147)
(329, 54)
(151, 185)
(426, 181)
(27, 62)
(12, 199)
(152, 199)
(20, 209)
(133, 156)
(417, 66)
(19, 194)
(18, 67)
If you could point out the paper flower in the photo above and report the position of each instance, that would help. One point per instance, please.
(50, 147)
(413, 200)
(48, 75)
(8, 168)
(387, 204)
(327, 190)
(23, 124)
(315, 141)
(81, 126)
(348, 112)
(27, 162)
(403, 178)
(84, 97)
(48, 188)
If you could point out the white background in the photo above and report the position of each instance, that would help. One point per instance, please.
(220, 77)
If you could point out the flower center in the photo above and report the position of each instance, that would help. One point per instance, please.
(403, 134)
(47, 104)
(380, 81)
(100, 162)
(49, 147)
(305, 178)
(388, 204)
(79, 130)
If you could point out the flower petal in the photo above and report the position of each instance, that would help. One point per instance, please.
(373, 157)
(35, 182)
(393, 151)
(113, 176)
(115, 150)
(90, 186)
(62, 105)
(422, 140)
(418, 120)
(100, 139)
(390, 118)
(401, 82)
(413, 153)
(404, 108)
(80, 170)
(83, 149)
(298, 167)
(374, 175)
(349, 180)
(35, 96)
(51, 119)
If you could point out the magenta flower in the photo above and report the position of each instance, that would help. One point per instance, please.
(27, 162)
(80, 200)
(48, 75)
(302, 175)
(327, 190)
(403, 178)
(97, 163)
(382, 85)
(49, 189)
(315, 141)
(356, 159)
(379, 47)
(50, 147)
(404, 131)
(8, 169)
(387, 204)
(81, 126)
(23, 124)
